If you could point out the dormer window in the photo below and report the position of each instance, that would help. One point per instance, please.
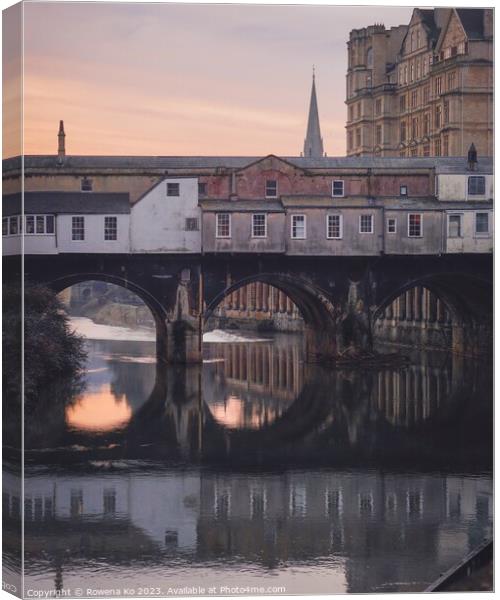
(271, 188)
(403, 190)
(86, 185)
(338, 188)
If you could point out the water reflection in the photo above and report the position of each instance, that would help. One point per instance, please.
(410, 526)
(258, 399)
(251, 385)
(257, 469)
(99, 410)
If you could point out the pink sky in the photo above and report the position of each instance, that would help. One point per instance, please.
(160, 79)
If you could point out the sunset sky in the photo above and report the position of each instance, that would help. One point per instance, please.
(160, 79)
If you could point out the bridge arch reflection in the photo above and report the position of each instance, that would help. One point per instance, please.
(230, 412)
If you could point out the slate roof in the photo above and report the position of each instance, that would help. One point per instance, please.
(242, 205)
(456, 164)
(472, 21)
(67, 203)
(428, 19)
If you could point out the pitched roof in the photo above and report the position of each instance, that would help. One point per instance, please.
(455, 164)
(428, 20)
(472, 21)
(66, 203)
(242, 205)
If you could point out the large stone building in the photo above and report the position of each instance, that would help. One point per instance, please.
(425, 89)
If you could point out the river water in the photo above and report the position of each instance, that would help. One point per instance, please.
(256, 472)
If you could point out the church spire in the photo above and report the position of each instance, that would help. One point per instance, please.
(313, 144)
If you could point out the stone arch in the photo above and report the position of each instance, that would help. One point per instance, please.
(317, 310)
(469, 300)
(157, 310)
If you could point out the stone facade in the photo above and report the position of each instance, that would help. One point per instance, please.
(425, 89)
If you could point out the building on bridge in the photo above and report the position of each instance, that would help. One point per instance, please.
(422, 89)
(183, 233)
(286, 206)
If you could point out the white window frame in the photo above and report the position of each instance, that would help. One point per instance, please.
(83, 221)
(104, 224)
(405, 188)
(482, 234)
(293, 237)
(17, 219)
(334, 195)
(275, 195)
(421, 225)
(341, 227)
(259, 237)
(461, 230)
(395, 220)
(371, 224)
(217, 225)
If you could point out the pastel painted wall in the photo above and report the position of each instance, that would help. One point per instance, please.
(94, 235)
(158, 221)
(454, 188)
(470, 241)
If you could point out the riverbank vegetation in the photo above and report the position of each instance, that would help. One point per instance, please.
(53, 354)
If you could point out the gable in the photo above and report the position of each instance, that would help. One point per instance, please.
(270, 163)
(420, 30)
(453, 34)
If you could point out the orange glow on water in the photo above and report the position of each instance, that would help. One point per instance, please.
(235, 413)
(99, 411)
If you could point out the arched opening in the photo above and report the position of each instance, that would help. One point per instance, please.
(297, 297)
(447, 311)
(120, 331)
(416, 317)
(259, 307)
(259, 333)
(89, 283)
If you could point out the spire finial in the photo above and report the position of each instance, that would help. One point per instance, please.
(314, 72)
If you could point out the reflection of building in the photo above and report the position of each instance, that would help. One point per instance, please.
(261, 306)
(425, 89)
(417, 317)
(410, 396)
(253, 384)
(408, 527)
(365, 518)
(161, 507)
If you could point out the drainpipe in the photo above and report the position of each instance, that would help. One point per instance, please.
(383, 231)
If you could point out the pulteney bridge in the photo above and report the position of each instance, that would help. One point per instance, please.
(338, 297)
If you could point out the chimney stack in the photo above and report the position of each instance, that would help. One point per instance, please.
(61, 150)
